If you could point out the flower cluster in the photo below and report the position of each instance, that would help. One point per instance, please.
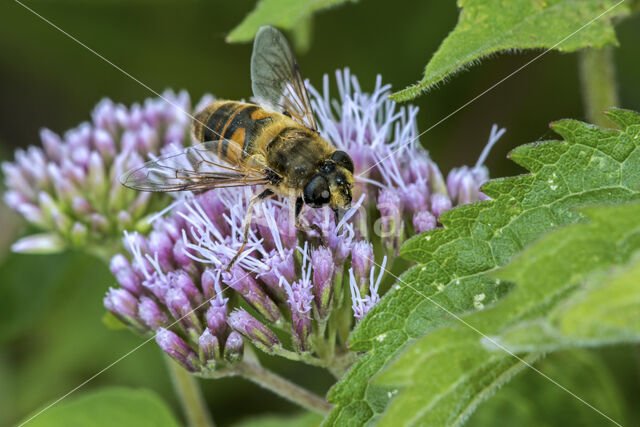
(296, 294)
(290, 293)
(69, 188)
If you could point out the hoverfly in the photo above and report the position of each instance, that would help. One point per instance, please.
(274, 145)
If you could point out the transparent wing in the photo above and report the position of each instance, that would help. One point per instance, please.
(195, 168)
(276, 79)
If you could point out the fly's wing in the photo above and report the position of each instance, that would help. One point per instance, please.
(276, 79)
(196, 168)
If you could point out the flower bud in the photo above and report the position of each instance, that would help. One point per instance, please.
(78, 234)
(361, 256)
(463, 186)
(209, 347)
(323, 267)
(391, 225)
(247, 325)
(161, 245)
(210, 281)
(424, 221)
(415, 198)
(248, 288)
(158, 286)
(52, 145)
(81, 206)
(436, 181)
(175, 347)
(103, 115)
(440, 203)
(277, 268)
(78, 174)
(175, 133)
(389, 207)
(300, 330)
(125, 275)
(234, 347)
(182, 281)
(136, 117)
(181, 309)
(124, 305)
(44, 243)
(179, 254)
(151, 314)
(104, 144)
(216, 317)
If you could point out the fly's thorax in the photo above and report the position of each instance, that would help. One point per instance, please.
(296, 152)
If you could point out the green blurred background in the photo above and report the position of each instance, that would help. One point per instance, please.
(51, 334)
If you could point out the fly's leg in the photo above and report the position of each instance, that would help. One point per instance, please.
(265, 194)
(298, 208)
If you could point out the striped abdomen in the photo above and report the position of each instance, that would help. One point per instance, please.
(231, 122)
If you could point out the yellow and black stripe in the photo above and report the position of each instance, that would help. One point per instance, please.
(237, 122)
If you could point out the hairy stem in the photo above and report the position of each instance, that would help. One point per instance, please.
(285, 388)
(597, 77)
(306, 357)
(188, 391)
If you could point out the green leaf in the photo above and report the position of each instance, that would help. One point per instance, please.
(26, 293)
(114, 406)
(442, 383)
(489, 26)
(605, 310)
(591, 166)
(284, 14)
(303, 419)
(516, 405)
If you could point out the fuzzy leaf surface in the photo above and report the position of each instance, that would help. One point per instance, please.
(284, 14)
(590, 166)
(440, 382)
(489, 26)
(604, 310)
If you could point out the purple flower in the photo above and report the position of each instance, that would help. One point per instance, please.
(361, 258)
(391, 227)
(124, 305)
(151, 314)
(361, 301)
(463, 184)
(323, 269)
(299, 300)
(233, 347)
(177, 348)
(440, 203)
(244, 284)
(250, 327)
(66, 187)
(294, 281)
(209, 347)
(424, 221)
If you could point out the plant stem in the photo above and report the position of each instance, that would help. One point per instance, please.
(285, 388)
(299, 357)
(597, 77)
(188, 391)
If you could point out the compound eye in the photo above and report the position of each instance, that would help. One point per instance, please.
(316, 193)
(343, 159)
